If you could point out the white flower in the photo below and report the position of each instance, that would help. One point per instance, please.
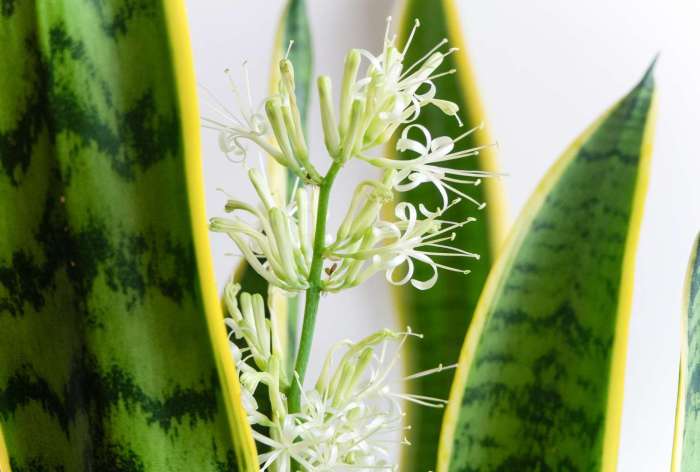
(234, 129)
(431, 165)
(277, 132)
(394, 94)
(392, 246)
(349, 419)
(278, 243)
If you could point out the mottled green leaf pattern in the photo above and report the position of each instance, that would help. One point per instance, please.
(105, 358)
(541, 371)
(687, 441)
(443, 313)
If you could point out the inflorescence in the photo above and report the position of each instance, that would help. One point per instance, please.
(345, 420)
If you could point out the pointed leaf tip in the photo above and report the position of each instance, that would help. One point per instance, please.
(648, 78)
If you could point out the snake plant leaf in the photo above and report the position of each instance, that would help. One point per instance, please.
(443, 313)
(540, 377)
(686, 447)
(113, 356)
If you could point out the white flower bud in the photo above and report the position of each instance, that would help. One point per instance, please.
(330, 126)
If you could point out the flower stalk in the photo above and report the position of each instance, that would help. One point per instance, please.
(340, 421)
(313, 293)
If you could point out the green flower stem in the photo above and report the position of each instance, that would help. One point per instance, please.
(313, 293)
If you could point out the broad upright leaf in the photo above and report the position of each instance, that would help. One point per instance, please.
(540, 378)
(113, 356)
(686, 447)
(443, 313)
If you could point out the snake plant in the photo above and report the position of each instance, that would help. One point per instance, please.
(113, 355)
(540, 376)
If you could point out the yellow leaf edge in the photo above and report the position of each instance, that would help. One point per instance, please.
(613, 419)
(680, 400)
(4, 456)
(178, 32)
(494, 280)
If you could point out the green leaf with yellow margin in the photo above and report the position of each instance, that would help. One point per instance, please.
(686, 444)
(540, 377)
(443, 313)
(113, 356)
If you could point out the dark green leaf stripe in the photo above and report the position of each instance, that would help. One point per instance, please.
(106, 361)
(443, 313)
(686, 450)
(539, 385)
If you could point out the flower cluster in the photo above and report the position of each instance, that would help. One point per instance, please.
(352, 413)
(346, 420)
(389, 96)
(277, 243)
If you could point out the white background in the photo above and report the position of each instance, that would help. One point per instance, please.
(546, 69)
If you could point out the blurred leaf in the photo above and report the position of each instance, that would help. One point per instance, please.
(540, 378)
(443, 313)
(686, 447)
(113, 354)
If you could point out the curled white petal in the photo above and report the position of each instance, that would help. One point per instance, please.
(392, 269)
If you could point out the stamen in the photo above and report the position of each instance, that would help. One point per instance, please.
(289, 48)
(479, 205)
(475, 182)
(479, 127)
(447, 254)
(219, 189)
(424, 58)
(455, 250)
(450, 51)
(234, 89)
(434, 370)
(430, 402)
(386, 32)
(431, 242)
(219, 107)
(416, 25)
(452, 269)
(442, 74)
(247, 85)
